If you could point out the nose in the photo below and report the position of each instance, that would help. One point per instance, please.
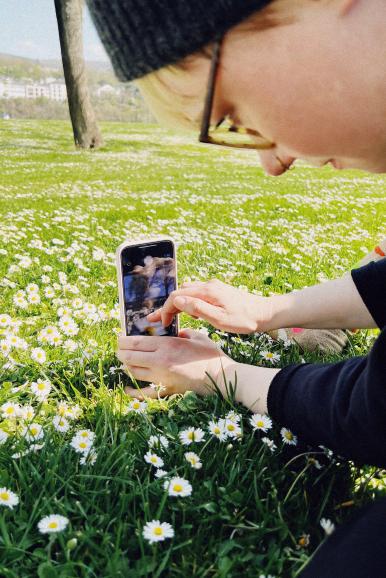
(273, 163)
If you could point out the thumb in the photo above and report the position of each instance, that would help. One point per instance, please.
(141, 393)
(189, 333)
(198, 308)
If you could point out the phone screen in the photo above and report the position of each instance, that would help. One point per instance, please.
(149, 276)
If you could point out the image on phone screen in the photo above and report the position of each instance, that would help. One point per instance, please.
(149, 276)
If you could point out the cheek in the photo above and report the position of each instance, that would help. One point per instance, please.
(298, 120)
(303, 112)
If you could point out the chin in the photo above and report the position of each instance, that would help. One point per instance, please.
(362, 165)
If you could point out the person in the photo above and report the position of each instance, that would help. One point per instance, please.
(300, 79)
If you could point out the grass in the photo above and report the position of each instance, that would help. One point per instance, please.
(252, 511)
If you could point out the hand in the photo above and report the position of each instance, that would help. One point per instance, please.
(223, 306)
(178, 363)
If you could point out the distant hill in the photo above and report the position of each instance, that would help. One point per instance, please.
(121, 102)
(19, 67)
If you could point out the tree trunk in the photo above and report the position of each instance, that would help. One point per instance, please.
(69, 15)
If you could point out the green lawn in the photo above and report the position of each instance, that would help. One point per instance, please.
(252, 511)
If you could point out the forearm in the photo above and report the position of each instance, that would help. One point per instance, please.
(335, 304)
(252, 384)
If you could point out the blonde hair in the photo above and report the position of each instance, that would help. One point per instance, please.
(170, 106)
(183, 110)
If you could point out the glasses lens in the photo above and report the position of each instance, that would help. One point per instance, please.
(227, 134)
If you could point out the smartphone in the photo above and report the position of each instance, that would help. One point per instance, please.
(147, 274)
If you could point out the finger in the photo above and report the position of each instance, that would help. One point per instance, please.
(136, 358)
(198, 308)
(141, 393)
(139, 373)
(189, 333)
(167, 312)
(191, 284)
(139, 342)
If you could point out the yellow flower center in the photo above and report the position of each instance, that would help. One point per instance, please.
(216, 430)
(153, 459)
(41, 386)
(83, 445)
(231, 427)
(34, 431)
(260, 423)
(53, 525)
(4, 496)
(10, 410)
(288, 435)
(177, 488)
(158, 531)
(191, 435)
(136, 405)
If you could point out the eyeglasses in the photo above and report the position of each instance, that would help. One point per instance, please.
(225, 132)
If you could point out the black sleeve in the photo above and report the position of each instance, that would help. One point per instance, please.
(338, 405)
(370, 281)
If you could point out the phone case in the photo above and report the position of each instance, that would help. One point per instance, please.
(133, 243)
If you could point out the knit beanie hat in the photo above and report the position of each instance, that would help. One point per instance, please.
(141, 36)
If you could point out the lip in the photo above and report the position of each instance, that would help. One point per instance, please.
(335, 164)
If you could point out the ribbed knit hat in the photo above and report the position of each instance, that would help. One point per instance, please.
(141, 36)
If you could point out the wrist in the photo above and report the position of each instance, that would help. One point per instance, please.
(252, 384)
(264, 310)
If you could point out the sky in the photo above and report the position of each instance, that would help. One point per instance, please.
(28, 28)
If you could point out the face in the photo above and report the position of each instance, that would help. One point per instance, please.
(316, 87)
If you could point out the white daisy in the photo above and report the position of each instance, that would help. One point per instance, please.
(41, 388)
(288, 437)
(137, 406)
(194, 460)
(70, 345)
(160, 442)
(327, 526)
(233, 416)
(60, 424)
(52, 524)
(89, 458)
(33, 298)
(217, 429)
(49, 292)
(85, 434)
(157, 387)
(5, 320)
(70, 412)
(160, 473)
(81, 445)
(32, 288)
(5, 347)
(190, 435)
(270, 356)
(8, 498)
(178, 487)
(27, 412)
(10, 409)
(155, 531)
(153, 459)
(232, 429)
(260, 422)
(3, 436)
(33, 432)
(38, 354)
(269, 443)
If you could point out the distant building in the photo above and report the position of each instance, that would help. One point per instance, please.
(106, 90)
(52, 90)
